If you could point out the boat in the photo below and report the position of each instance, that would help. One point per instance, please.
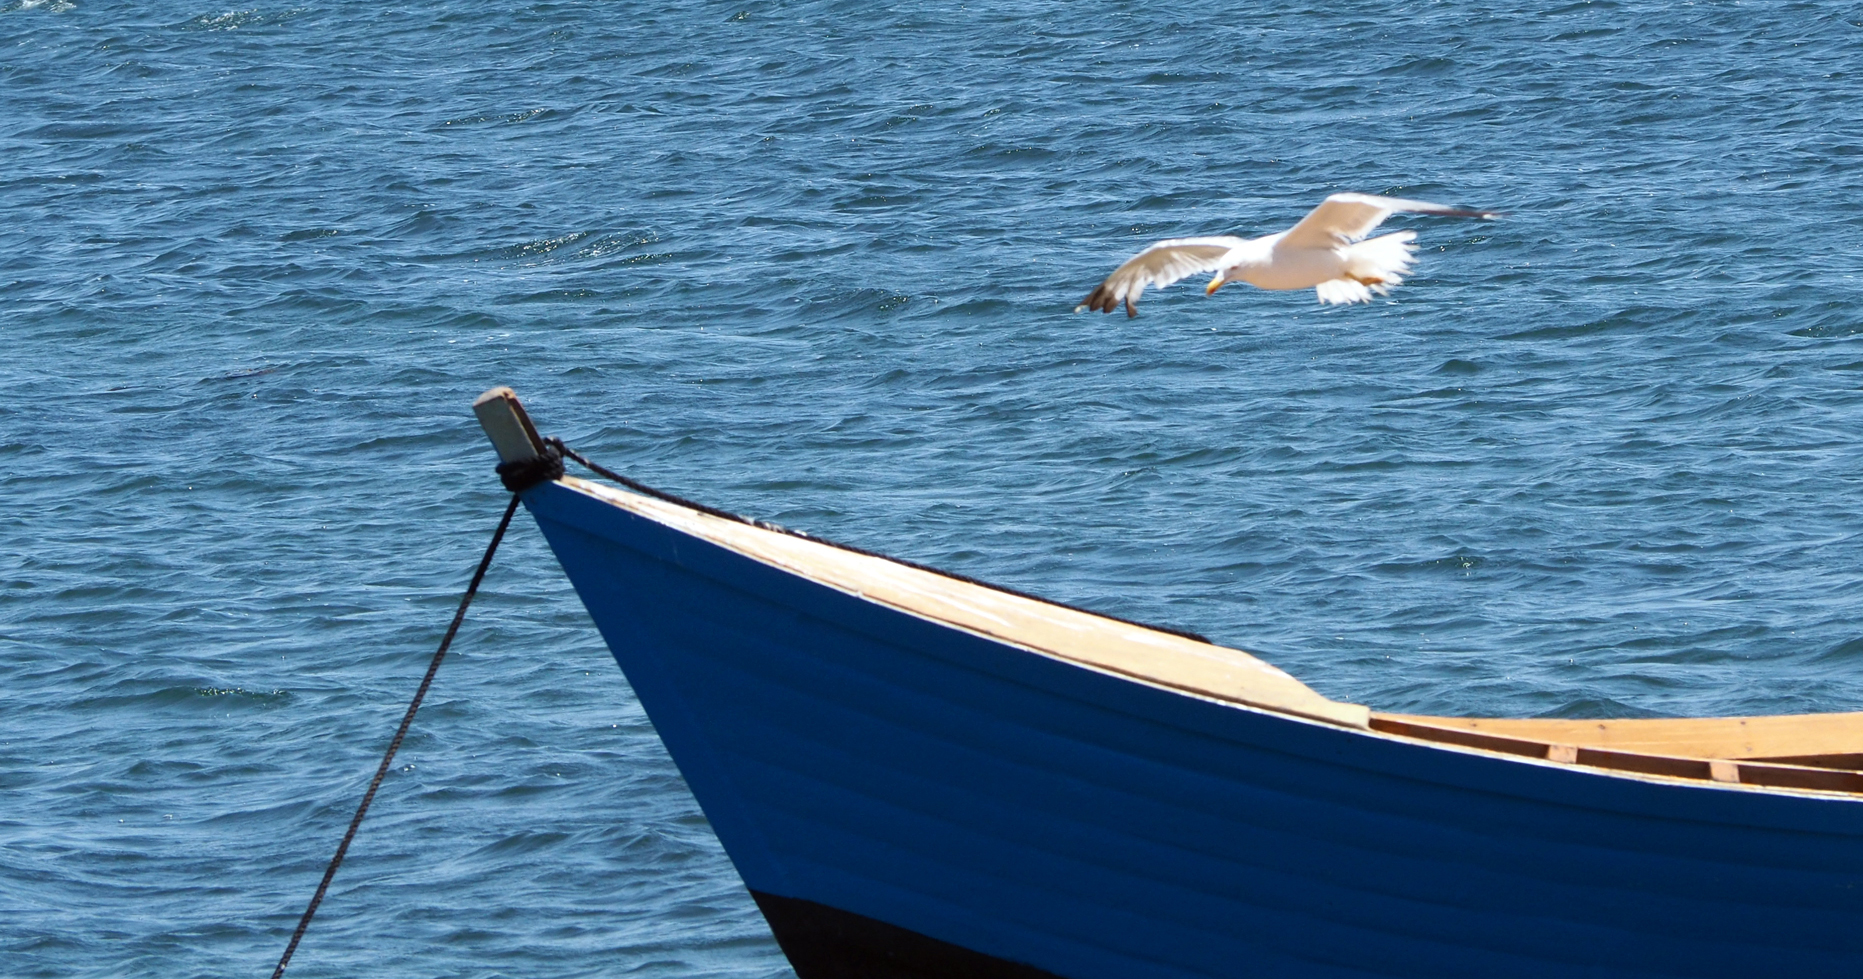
(921, 775)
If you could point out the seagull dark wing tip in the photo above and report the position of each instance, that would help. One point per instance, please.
(1100, 300)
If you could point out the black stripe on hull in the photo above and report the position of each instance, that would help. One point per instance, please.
(829, 943)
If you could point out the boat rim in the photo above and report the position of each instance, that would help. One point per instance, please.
(1820, 753)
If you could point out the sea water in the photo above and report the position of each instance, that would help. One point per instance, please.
(816, 262)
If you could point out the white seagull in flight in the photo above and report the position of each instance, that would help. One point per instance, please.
(1325, 252)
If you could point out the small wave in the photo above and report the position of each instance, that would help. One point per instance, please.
(233, 20)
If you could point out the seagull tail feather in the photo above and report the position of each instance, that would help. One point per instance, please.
(1371, 267)
(1382, 262)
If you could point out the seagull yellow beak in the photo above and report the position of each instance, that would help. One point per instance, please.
(1215, 284)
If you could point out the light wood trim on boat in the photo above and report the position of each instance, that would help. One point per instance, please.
(1804, 740)
(1803, 751)
(1798, 752)
(1063, 633)
(1729, 771)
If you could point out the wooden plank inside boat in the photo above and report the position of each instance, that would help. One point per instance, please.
(1814, 740)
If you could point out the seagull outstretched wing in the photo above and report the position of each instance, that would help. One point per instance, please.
(1345, 218)
(1160, 265)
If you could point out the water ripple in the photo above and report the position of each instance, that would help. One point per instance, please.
(816, 262)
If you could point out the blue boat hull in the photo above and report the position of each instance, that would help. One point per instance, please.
(881, 777)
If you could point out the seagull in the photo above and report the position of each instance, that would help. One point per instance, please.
(1325, 252)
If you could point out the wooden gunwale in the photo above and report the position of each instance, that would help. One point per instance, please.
(1818, 752)
(1806, 752)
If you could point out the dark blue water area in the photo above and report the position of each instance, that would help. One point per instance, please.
(817, 262)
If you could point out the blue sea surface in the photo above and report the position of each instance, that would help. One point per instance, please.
(816, 262)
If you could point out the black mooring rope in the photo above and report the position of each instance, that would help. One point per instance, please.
(556, 447)
(521, 474)
(395, 745)
(517, 477)
(560, 451)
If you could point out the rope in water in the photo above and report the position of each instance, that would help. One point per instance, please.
(395, 745)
